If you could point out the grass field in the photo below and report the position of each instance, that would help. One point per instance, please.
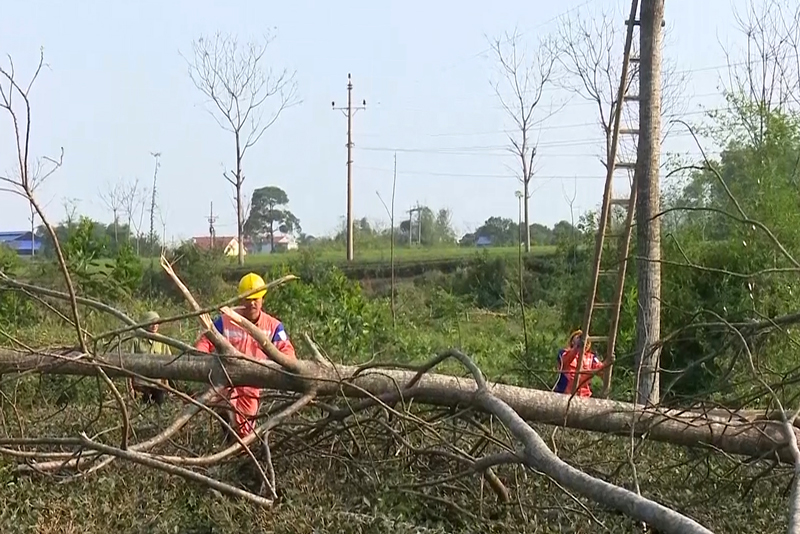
(365, 481)
(402, 254)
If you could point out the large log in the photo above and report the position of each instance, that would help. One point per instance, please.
(728, 433)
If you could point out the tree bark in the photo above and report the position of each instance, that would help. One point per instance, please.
(239, 215)
(526, 180)
(728, 433)
(648, 228)
(271, 237)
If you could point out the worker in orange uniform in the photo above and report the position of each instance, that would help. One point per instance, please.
(244, 400)
(568, 365)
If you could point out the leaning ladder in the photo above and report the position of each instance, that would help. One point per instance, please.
(618, 269)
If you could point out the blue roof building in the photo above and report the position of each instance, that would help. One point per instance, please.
(21, 242)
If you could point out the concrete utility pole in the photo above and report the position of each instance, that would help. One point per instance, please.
(152, 236)
(419, 225)
(411, 212)
(211, 220)
(349, 111)
(648, 229)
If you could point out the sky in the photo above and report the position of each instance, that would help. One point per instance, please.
(116, 90)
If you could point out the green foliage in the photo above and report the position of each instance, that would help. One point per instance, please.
(83, 250)
(503, 232)
(10, 262)
(126, 271)
(15, 308)
(268, 213)
(200, 269)
(429, 229)
(536, 363)
(328, 304)
(727, 209)
(84, 245)
(97, 269)
(486, 279)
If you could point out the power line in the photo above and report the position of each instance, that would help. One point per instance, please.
(580, 101)
(540, 25)
(694, 70)
(557, 126)
(486, 150)
(503, 176)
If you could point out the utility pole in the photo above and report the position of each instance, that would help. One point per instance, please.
(411, 212)
(211, 220)
(349, 111)
(419, 225)
(152, 236)
(648, 229)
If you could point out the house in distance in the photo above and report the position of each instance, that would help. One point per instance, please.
(283, 243)
(24, 243)
(230, 245)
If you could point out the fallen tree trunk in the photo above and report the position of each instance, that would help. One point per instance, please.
(727, 433)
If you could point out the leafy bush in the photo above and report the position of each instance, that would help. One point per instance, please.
(485, 278)
(15, 308)
(328, 304)
(126, 272)
(201, 270)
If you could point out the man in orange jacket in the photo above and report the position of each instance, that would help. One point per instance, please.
(568, 366)
(244, 400)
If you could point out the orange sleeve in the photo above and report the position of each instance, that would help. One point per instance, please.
(204, 344)
(568, 358)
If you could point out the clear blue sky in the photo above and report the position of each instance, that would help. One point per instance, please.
(117, 89)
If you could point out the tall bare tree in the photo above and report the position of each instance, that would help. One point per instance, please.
(152, 237)
(591, 49)
(113, 198)
(770, 72)
(15, 102)
(239, 88)
(134, 205)
(520, 88)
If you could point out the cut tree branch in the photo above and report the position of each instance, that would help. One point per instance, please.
(726, 432)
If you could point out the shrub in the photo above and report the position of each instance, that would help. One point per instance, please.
(329, 305)
(485, 278)
(15, 308)
(201, 270)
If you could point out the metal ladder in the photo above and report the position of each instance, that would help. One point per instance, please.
(619, 268)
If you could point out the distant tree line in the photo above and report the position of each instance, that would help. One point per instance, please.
(503, 232)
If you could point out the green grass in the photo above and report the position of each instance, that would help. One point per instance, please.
(402, 254)
(353, 482)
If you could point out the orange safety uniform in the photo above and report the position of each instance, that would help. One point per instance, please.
(569, 367)
(245, 399)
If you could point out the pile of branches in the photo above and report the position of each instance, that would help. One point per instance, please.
(347, 400)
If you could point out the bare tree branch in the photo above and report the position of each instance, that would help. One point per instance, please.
(520, 89)
(237, 85)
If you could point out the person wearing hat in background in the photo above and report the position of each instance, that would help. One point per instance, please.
(142, 345)
(567, 361)
(244, 400)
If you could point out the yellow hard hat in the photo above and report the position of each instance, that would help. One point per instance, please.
(249, 282)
